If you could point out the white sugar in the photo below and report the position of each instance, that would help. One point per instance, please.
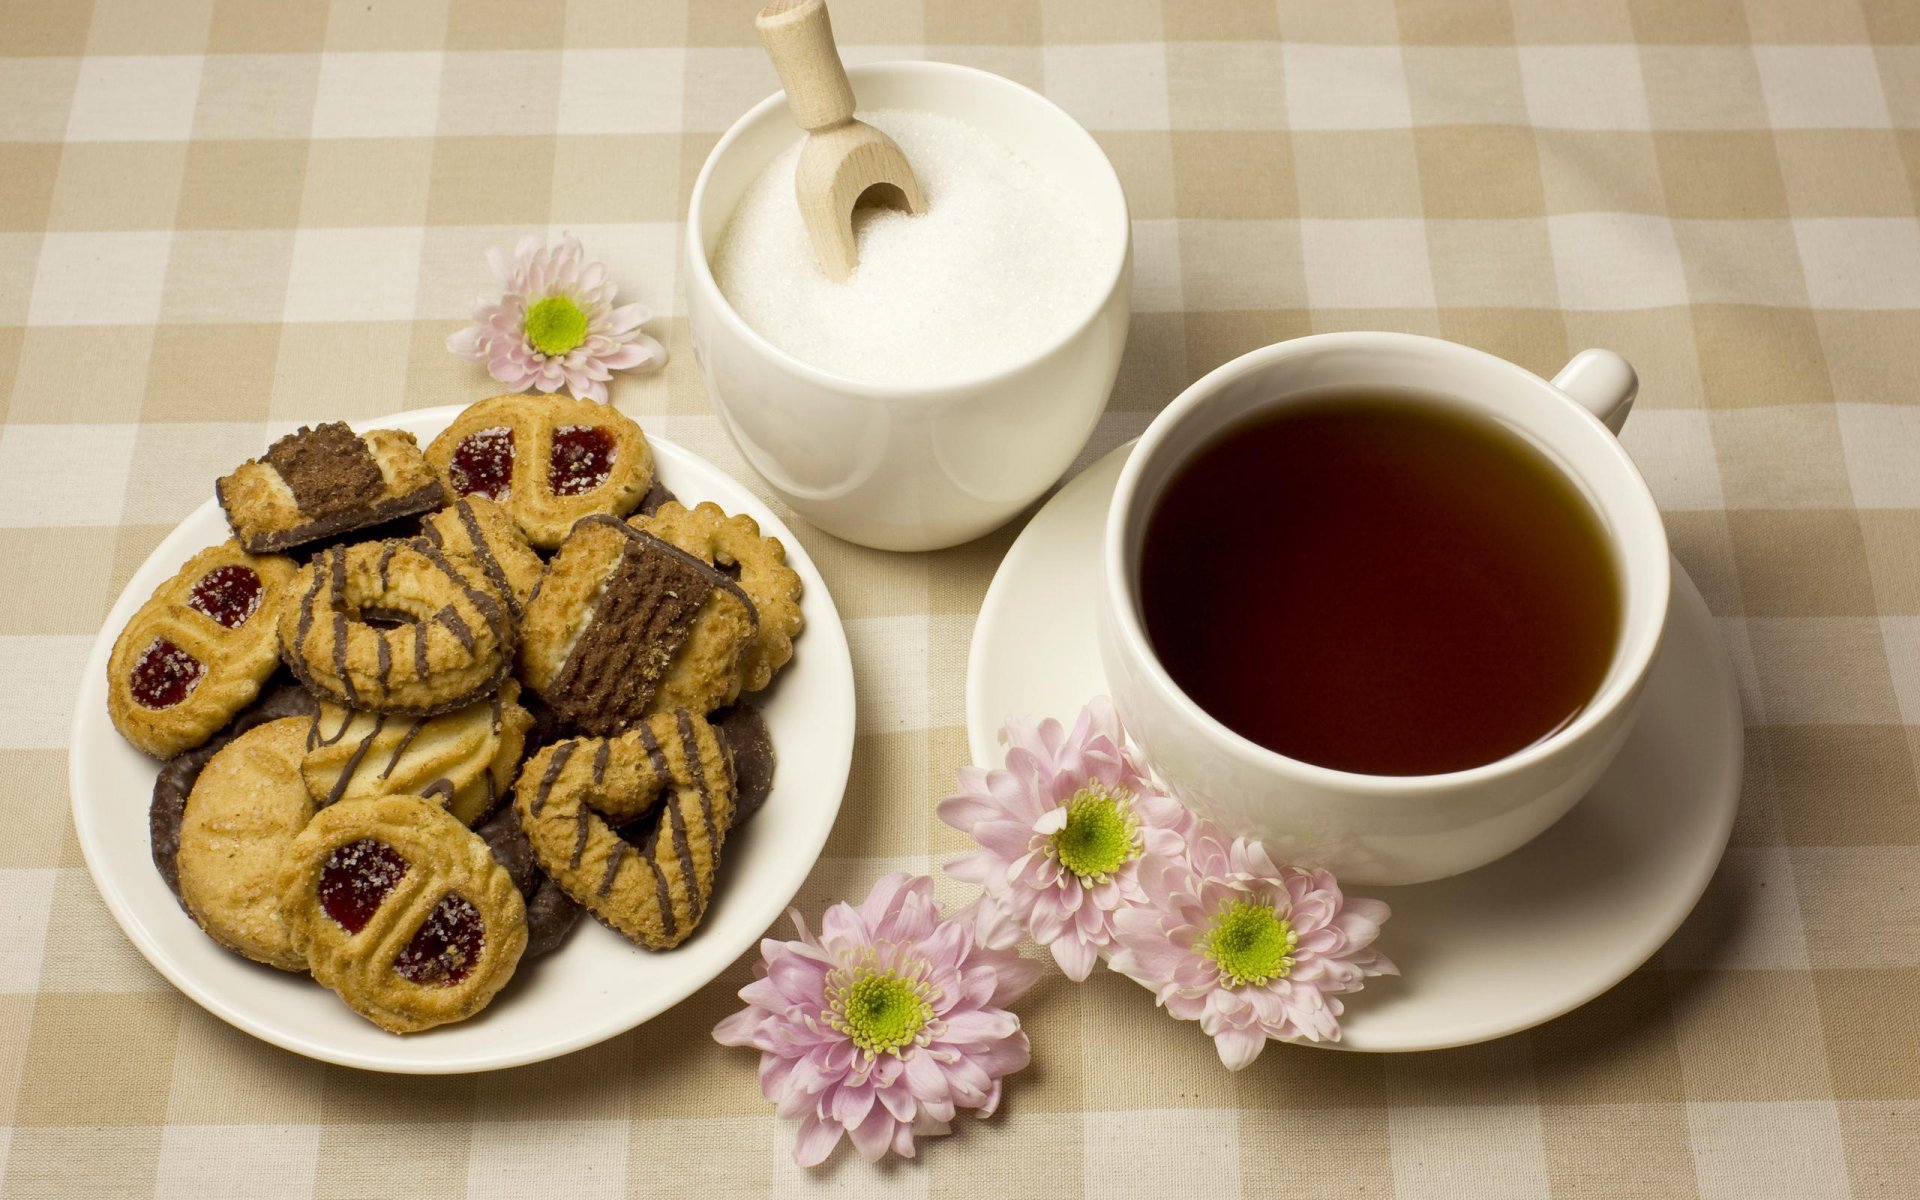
(1002, 264)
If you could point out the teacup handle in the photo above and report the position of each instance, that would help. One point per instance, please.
(1601, 382)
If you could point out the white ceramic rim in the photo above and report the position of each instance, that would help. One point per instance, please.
(700, 271)
(1642, 569)
(826, 640)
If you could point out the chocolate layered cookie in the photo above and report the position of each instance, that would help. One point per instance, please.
(396, 627)
(477, 529)
(464, 759)
(174, 783)
(574, 795)
(198, 650)
(324, 481)
(750, 749)
(244, 812)
(736, 545)
(625, 624)
(547, 460)
(402, 911)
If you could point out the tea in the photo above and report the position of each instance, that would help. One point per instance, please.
(1381, 585)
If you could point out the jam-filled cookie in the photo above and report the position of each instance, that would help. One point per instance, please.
(626, 624)
(396, 627)
(573, 795)
(322, 482)
(465, 759)
(244, 812)
(735, 543)
(402, 911)
(548, 460)
(477, 529)
(198, 650)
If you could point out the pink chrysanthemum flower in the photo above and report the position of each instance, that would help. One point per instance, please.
(555, 324)
(1063, 830)
(1250, 950)
(887, 1023)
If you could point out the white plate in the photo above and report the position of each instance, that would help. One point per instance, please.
(1484, 954)
(595, 986)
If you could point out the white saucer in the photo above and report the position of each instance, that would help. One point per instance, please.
(1484, 954)
(597, 984)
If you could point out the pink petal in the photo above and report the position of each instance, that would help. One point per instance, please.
(815, 1141)
(874, 1136)
(1239, 1047)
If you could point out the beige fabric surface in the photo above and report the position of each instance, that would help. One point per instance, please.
(222, 217)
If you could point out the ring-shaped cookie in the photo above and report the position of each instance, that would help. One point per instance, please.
(477, 529)
(402, 911)
(547, 460)
(709, 534)
(452, 643)
(198, 650)
(572, 794)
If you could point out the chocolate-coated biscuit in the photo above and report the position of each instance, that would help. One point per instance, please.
(198, 650)
(402, 911)
(548, 460)
(551, 913)
(324, 481)
(625, 624)
(573, 795)
(750, 747)
(443, 637)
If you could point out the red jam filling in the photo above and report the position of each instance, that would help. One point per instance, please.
(581, 461)
(446, 945)
(483, 464)
(228, 595)
(164, 675)
(356, 878)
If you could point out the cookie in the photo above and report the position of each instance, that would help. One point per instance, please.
(174, 783)
(551, 913)
(464, 759)
(736, 544)
(750, 748)
(477, 529)
(402, 911)
(244, 812)
(572, 795)
(625, 624)
(547, 460)
(324, 481)
(396, 627)
(198, 650)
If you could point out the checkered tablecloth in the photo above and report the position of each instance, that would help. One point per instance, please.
(219, 217)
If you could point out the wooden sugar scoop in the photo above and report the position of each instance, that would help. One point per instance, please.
(846, 163)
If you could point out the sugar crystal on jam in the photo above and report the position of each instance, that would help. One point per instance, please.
(356, 878)
(447, 944)
(582, 459)
(164, 675)
(228, 595)
(482, 464)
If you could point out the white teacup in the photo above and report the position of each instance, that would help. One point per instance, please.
(912, 467)
(1371, 828)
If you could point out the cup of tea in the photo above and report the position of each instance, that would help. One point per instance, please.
(1383, 601)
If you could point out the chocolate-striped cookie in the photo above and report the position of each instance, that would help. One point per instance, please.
(573, 795)
(322, 482)
(442, 637)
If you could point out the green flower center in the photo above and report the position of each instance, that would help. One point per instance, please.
(1101, 834)
(1250, 943)
(881, 1011)
(556, 325)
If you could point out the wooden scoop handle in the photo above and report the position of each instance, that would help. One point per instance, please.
(799, 38)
